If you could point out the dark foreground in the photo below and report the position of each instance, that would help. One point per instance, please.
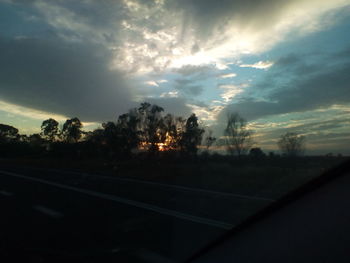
(55, 216)
(141, 212)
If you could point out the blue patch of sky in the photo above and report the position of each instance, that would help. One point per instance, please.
(312, 49)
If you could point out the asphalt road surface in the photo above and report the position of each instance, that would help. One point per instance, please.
(55, 216)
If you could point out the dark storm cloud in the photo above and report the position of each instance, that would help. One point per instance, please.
(98, 13)
(65, 68)
(66, 78)
(90, 21)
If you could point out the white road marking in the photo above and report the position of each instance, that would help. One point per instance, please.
(5, 193)
(157, 209)
(48, 211)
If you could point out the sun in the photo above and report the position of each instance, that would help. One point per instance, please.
(162, 146)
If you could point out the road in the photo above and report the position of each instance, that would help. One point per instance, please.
(52, 215)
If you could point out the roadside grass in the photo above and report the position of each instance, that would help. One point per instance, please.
(260, 181)
(269, 177)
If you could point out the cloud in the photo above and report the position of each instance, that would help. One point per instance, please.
(188, 70)
(152, 83)
(228, 28)
(194, 90)
(76, 58)
(170, 94)
(71, 79)
(230, 91)
(258, 65)
(149, 36)
(155, 83)
(229, 75)
(301, 89)
(328, 133)
(29, 113)
(188, 86)
(176, 106)
(208, 114)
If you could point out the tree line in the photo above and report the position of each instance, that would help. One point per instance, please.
(143, 129)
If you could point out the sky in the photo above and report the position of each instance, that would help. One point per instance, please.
(283, 65)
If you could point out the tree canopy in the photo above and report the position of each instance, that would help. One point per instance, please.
(71, 131)
(291, 144)
(192, 136)
(238, 138)
(146, 128)
(49, 129)
(8, 133)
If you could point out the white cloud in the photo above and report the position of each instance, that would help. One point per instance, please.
(217, 102)
(229, 75)
(155, 83)
(230, 91)
(221, 66)
(170, 94)
(208, 114)
(28, 112)
(152, 83)
(258, 65)
(33, 114)
(155, 36)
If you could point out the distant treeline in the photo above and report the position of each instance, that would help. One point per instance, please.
(143, 130)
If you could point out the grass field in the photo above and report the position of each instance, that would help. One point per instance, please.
(269, 177)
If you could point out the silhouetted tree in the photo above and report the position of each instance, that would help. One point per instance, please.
(151, 125)
(111, 138)
(192, 136)
(23, 138)
(49, 129)
(35, 140)
(71, 131)
(291, 144)
(128, 132)
(209, 140)
(256, 153)
(96, 136)
(8, 133)
(272, 154)
(238, 138)
(173, 128)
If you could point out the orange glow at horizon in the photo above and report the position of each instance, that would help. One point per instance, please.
(162, 146)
